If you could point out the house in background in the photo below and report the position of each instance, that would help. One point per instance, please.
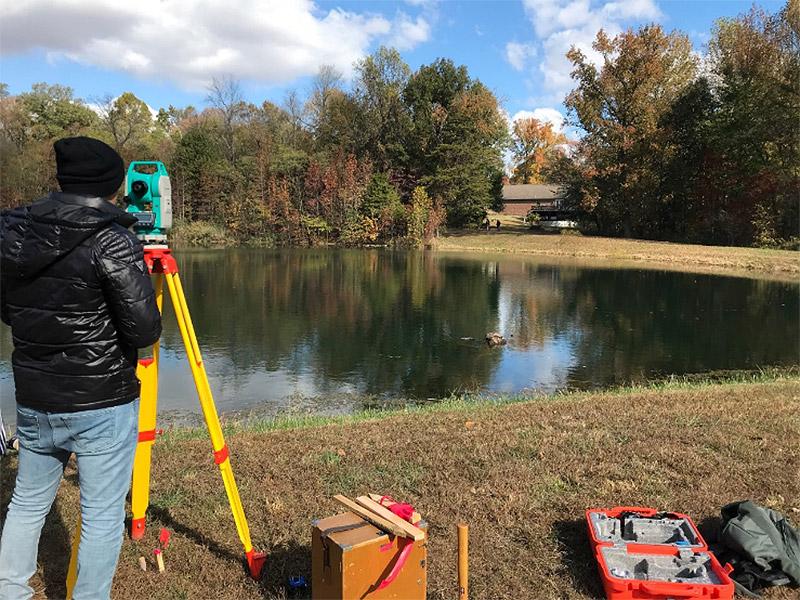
(544, 199)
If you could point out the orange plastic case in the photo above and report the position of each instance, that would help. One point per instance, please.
(642, 553)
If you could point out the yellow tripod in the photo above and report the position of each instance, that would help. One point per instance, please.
(162, 266)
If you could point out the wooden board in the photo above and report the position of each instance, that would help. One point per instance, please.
(409, 530)
(415, 516)
(370, 516)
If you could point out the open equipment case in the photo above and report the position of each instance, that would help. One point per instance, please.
(642, 553)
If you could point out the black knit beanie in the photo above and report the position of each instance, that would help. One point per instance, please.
(87, 166)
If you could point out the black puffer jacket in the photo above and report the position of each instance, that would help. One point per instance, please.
(79, 300)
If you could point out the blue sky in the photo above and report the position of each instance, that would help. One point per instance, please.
(166, 51)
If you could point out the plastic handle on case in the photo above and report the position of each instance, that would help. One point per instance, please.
(644, 510)
(669, 590)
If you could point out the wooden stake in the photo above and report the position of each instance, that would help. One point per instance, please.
(142, 563)
(159, 559)
(463, 561)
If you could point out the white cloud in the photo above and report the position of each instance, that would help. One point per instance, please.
(546, 115)
(632, 9)
(549, 16)
(517, 54)
(561, 24)
(407, 33)
(190, 42)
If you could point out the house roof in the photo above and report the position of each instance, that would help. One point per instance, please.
(530, 191)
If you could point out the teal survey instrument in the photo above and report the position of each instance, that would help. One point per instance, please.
(148, 195)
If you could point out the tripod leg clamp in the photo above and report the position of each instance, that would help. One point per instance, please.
(221, 455)
(149, 436)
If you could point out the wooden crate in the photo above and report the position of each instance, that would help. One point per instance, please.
(351, 557)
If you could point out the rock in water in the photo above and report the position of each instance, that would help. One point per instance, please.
(495, 339)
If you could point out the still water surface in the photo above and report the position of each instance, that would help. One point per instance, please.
(317, 330)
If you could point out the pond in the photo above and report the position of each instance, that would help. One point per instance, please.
(328, 330)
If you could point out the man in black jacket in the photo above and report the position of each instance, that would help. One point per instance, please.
(77, 295)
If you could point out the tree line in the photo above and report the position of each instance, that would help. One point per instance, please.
(682, 147)
(667, 144)
(393, 157)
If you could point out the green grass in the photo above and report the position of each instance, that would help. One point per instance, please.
(469, 402)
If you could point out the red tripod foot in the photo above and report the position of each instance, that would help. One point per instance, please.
(255, 563)
(137, 528)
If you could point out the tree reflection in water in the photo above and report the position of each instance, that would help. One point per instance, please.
(273, 323)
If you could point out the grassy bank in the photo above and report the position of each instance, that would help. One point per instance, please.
(615, 252)
(520, 473)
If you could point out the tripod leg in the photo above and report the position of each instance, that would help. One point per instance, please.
(72, 570)
(147, 372)
(255, 560)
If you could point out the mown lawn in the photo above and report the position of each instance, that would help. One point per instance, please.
(521, 474)
(617, 252)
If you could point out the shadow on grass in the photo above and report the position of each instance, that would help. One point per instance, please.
(459, 233)
(285, 561)
(577, 557)
(165, 519)
(709, 529)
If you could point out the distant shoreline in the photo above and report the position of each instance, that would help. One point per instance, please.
(761, 263)
(600, 252)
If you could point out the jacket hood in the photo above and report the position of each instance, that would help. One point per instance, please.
(34, 237)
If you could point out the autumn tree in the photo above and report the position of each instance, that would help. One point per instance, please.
(755, 133)
(457, 140)
(197, 159)
(29, 124)
(536, 146)
(326, 85)
(52, 111)
(620, 106)
(342, 126)
(378, 89)
(225, 95)
(429, 95)
(126, 120)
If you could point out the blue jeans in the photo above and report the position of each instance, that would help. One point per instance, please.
(104, 442)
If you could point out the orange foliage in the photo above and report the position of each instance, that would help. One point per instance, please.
(536, 146)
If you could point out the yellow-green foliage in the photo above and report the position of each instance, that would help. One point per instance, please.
(359, 230)
(201, 233)
(420, 214)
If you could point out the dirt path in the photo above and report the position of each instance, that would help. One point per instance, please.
(520, 474)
